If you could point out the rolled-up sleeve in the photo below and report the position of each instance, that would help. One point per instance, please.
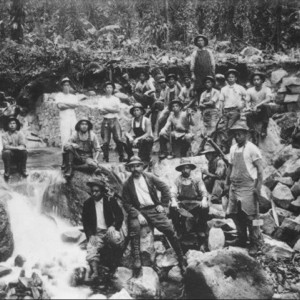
(202, 189)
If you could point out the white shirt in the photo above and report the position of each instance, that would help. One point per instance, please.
(254, 97)
(66, 114)
(100, 215)
(233, 96)
(251, 154)
(112, 102)
(142, 191)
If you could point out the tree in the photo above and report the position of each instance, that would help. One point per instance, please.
(17, 20)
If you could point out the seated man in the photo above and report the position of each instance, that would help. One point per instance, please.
(102, 219)
(142, 137)
(145, 91)
(143, 206)
(177, 131)
(82, 150)
(14, 148)
(187, 94)
(215, 175)
(190, 194)
(257, 99)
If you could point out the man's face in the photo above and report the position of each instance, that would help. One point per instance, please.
(163, 85)
(171, 82)
(136, 169)
(257, 81)
(137, 112)
(208, 84)
(200, 42)
(186, 171)
(109, 89)
(175, 107)
(97, 192)
(142, 77)
(66, 87)
(240, 136)
(187, 82)
(231, 79)
(12, 125)
(126, 76)
(84, 126)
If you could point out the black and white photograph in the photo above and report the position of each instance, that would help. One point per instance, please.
(150, 149)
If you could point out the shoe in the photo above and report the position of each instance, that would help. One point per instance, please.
(24, 174)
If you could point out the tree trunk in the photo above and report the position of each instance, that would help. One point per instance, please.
(17, 20)
(278, 24)
(167, 20)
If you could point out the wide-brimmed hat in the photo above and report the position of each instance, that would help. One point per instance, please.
(109, 83)
(239, 125)
(173, 102)
(201, 36)
(77, 126)
(96, 181)
(220, 77)
(257, 73)
(161, 79)
(137, 105)
(64, 79)
(134, 160)
(185, 162)
(232, 71)
(211, 78)
(208, 148)
(172, 75)
(5, 127)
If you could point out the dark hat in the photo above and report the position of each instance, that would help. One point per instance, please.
(134, 160)
(77, 126)
(96, 181)
(239, 125)
(257, 73)
(5, 127)
(201, 36)
(208, 148)
(65, 79)
(173, 102)
(185, 162)
(211, 78)
(109, 83)
(172, 76)
(232, 71)
(137, 105)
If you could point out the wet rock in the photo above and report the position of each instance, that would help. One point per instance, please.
(282, 196)
(291, 168)
(277, 75)
(289, 231)
(216, 239)
(269, 226)
(288, 181)
(4, 271)
(175, 274)
(146, 286)
(228, 273)
(296, 189)
(123, 294)
(20, 261)
(72, 236)
(6, 236)
(168, 259)
(287, 153)
(276, 249)
(295, 205)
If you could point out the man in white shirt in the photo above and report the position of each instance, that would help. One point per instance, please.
(143, 206)
(245, 176)
(110, 125)
(102, 219)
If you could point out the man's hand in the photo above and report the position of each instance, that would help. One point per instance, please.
(204, 203)
(135, 142)
(142, 219)
(174, 204)
(160, 209)
(93, 240)
(111, 232)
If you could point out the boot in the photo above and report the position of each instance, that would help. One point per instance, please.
(178, 250)
(6, 160)
(69, 169)
(137, 265)
(105, 149)
(64, 161)
(23, 166)
(94, 268)
(120, 149)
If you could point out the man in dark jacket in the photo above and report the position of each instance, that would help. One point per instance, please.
(102, 219)
(143, 206)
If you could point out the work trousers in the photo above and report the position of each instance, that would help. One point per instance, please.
(179, 147)
(14, 157)
(216, 188)
(145, 149)
(231, 115)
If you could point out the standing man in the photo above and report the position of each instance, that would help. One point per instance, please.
(245, 176)
(142, 137)
(102, 219)
(14, 148)
(82, 150)
(110, 105)
(187, 94)
(257, 99)
(202, 63)
(66, 103)
(209, 105)
(177, 131)
(233, 101)
(143, 206)
(190, 193)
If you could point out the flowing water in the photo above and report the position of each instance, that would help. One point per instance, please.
(37, 237)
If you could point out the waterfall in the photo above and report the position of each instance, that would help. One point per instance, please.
(37, 237)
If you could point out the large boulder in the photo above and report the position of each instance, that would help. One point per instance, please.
(6, 236)
(270, 173)
(285, 154)
(289, 231)
(291, 168)
(276, 250)
(277, 75)
(228, 273)
(296, 189)
(282, 196)
(265, 199)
